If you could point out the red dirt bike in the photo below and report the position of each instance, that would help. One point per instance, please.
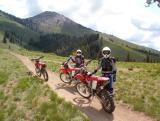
(91, 85)
(66, 72)
(40, 68)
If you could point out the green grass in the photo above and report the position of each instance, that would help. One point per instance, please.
(4, 76)
(139, 87)
(26, 98)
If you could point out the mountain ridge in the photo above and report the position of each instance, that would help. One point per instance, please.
(51, 23)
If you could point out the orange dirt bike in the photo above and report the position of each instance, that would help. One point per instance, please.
(40, 68)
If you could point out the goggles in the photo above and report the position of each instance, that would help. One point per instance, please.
(78, 52)
(106, 52)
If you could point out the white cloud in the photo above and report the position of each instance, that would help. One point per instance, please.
(15, 7)
(127, 19)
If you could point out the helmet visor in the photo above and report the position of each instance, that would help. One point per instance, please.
(78, 52)
(106, 52)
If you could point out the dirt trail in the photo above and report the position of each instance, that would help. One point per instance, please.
(92, 108)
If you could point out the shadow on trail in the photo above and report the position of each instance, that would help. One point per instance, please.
(94, 114)
(97, 115)
(80, 101)
(69, 88)
(84, 104)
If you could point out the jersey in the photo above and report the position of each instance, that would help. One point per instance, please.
(78, 60)
(107, 64)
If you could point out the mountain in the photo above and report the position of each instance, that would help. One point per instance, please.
(16, 29)
(53, 32)
(49, 22)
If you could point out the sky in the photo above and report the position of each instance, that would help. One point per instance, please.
(126, 19)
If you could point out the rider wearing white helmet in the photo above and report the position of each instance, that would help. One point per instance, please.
(78, 59)
(79, 52)
(106, 51)
(107, 64)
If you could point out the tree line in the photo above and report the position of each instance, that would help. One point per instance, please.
(12, 37)
(65, 44)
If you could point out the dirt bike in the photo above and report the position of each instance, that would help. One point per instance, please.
(40, 68)
(66, 72)
(91, 85)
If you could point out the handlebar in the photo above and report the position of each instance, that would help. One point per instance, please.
(88, 62)
(82, 65)
(36, 59)
(41, 57)
(66, 62)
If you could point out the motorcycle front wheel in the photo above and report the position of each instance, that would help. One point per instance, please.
(38, 72)
(65, 77)
(107, 102)
(45, 74)
(83, 90)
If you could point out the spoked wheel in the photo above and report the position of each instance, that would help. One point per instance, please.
(38, 72)
(83, 90)
(65, 77)
(74, 82)
(107, 102)
(45, 75)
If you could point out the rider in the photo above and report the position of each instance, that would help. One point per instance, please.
(78, 59)
(107, 64)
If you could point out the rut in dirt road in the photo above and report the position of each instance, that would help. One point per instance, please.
(92, 108)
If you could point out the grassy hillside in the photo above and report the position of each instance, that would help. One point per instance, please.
(17, 31)
(26, 98)
(1, 35)
(138, 84)
(121, 49)
(122, 42)
(121, 52)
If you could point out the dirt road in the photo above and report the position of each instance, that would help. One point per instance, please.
(92, 108)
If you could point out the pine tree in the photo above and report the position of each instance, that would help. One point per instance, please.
(128, 59)
(5, 38)
(148, 57)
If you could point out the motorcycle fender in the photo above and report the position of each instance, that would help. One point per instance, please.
(62, 70)
(79, 76)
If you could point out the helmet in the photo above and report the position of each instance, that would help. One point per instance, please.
(79, 52)
(106, 51)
